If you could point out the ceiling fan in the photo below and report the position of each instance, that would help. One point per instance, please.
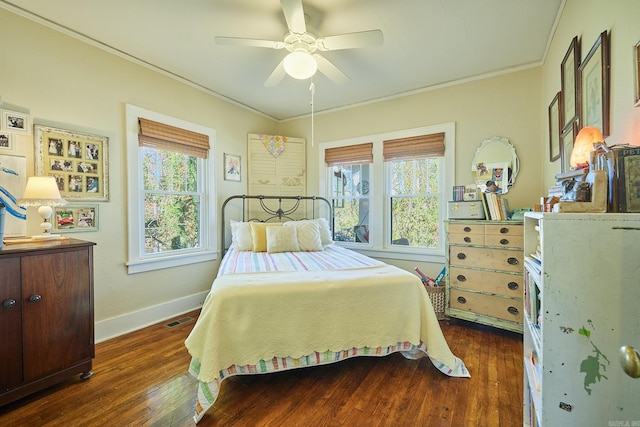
(303, 61)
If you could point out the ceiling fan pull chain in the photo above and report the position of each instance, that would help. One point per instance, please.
(312, 88)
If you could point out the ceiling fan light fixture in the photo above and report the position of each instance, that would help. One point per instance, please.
(300, 65)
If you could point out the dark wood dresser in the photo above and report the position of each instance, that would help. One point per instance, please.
(46, 315)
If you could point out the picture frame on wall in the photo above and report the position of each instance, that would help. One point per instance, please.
(78, 161)
(566, 144)
(15, 122)
(555, 126)
(75, 218)
(569, 83)
(636, 52)
(595, 86)
(232, 167)
(7, 142)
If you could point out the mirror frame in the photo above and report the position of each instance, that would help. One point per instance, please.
(509, 156)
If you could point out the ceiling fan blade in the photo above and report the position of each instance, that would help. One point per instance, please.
(294, 14)
(276, 76)
(238, 41)
(331, 71)
(351, 40)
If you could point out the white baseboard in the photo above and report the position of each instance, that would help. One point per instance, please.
(116, 326)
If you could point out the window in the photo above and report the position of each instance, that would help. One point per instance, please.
(171, 211)
(391, 201)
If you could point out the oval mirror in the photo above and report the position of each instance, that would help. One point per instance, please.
(495, 165)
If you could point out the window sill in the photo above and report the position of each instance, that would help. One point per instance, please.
(421, 255)
(141, 266)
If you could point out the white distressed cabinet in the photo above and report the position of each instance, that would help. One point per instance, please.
(582, 304)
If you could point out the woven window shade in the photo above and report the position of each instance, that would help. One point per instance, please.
(165, 137)
(414, 147)
(360, 153)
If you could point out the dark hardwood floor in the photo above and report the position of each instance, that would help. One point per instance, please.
(141, 379)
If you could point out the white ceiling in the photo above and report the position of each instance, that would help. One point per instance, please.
(426, 43)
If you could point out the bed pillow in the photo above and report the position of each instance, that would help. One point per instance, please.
(282, 239)
(241, 235)
(323, 224)
(259, 235)
(308, 235)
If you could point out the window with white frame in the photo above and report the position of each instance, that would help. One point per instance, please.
(171, 193)
(389, 190)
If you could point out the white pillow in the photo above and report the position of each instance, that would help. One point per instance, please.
(308, 235)
(282, 239)
(241, 235)
(323, 224)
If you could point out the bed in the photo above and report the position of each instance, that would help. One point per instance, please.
(286, 297)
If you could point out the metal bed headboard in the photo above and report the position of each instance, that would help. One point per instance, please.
(276, 212)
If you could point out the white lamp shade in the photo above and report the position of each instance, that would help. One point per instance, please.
(41, 191)
(300, 65)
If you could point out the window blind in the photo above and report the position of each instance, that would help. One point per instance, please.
(414, 147)
(165, 137)
(359, 153)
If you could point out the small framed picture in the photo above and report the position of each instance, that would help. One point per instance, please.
(569, 83)
(232, 167)
(75, 218)
(595, 86)
(15, 122)
(566, 144)
(555, 120)
(7, 142)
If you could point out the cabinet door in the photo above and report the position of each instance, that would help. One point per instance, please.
(10, 326)
(58, 316)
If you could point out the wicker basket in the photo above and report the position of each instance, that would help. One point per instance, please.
(437, 297)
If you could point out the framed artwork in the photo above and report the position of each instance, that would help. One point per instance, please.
(7, 142)
(555, 126)
(569, 83)
(78, 161)
(566, 144)
(13, 181)
(636, 51)
(232, 167)
(78, 218)
(15, 122)
(594, 86)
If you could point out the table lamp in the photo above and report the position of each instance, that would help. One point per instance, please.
(583, 146)
(42, 192)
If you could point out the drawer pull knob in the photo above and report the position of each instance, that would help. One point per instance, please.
(504, 241)
(513, 310)
(504, 230)
(461, 256)
(461, 278)
(462, 300)
(8, 303)
(467, 239)
(467, 229)
(35, 298)
(513, 261)
(513, 286)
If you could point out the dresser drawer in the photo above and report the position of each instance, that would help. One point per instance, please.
(509, 285)
(463, 228)
(512, 241)
(495, 306)
(466, 239)
(488, 258)
(504, 229)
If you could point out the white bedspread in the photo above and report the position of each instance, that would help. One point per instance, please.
(250, 317)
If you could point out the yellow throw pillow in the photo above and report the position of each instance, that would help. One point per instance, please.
(259, 234)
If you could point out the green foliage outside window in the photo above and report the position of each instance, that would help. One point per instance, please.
(172, 201)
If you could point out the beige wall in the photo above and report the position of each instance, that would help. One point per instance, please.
(63, 82)
(587, 19)
(69, 84)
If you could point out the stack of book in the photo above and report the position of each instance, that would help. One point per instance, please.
(496, 208)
